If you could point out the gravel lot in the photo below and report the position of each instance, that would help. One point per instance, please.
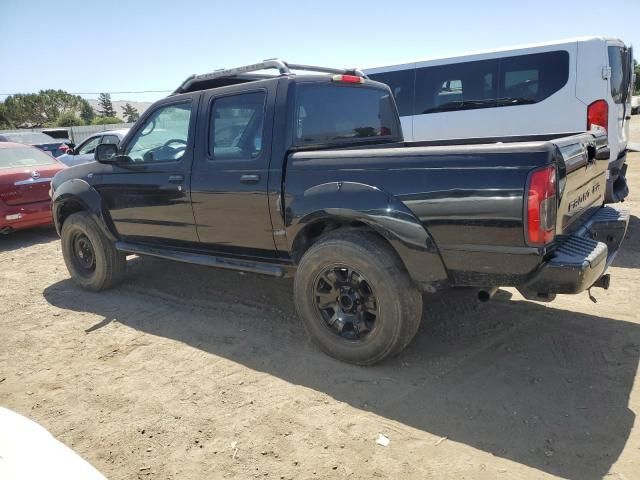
(184, 372)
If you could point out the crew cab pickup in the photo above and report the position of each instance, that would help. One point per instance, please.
(307, 175)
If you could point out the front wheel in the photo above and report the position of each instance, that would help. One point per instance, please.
(355, 297)
(92, 260)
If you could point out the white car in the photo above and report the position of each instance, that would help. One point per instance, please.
(635, 104)
(83, 153)
(562, 87)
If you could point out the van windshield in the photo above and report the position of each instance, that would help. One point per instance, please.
(334, 113)
(621, 72)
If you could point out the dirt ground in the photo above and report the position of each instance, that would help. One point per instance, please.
(184, 372)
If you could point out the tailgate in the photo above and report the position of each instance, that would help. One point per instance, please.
(582, 166)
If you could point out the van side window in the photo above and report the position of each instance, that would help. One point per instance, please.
(517, 80)
(532, 78)
(236, 125)
(457, 86)
(401, 83)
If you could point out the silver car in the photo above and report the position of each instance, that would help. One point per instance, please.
(83, 153)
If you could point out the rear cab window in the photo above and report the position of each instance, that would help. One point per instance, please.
(333, 113)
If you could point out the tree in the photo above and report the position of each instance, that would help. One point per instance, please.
(68, 119)
(86, 112)
(636, 86)
(105, 107)
(38, 109)
(4, 120)
(106, 120)
(130, 113)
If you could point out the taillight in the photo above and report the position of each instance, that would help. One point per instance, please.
(348, 78)
(541, 206)
(598, 114)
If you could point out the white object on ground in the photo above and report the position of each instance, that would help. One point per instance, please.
(383, 440)
(29, 452)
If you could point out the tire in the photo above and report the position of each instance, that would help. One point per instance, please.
(91, 258)
(376, 271)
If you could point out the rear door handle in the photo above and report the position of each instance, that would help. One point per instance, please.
(250, 178)
(176, 178)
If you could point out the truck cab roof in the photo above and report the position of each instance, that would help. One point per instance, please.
(249, 73)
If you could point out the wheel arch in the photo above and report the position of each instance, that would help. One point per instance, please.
(74, 196)
(324, 208)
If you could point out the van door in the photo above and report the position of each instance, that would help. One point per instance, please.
(621, 64)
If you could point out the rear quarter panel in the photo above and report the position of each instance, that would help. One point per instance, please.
(469, 199)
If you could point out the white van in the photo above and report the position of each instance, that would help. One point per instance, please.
(539, 90)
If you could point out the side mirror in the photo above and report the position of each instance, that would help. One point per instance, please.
(106, 153)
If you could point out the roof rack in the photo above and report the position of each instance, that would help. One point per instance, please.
(271, 63)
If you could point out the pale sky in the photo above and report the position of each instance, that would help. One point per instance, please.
(123, 46)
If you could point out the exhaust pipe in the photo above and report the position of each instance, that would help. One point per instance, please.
(5, 230)
(487, 294)
(603, 282)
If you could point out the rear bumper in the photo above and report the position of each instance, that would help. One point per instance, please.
(30, 215)
(617, 188)
(582, 258)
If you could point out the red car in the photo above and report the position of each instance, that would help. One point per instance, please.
(25, 180)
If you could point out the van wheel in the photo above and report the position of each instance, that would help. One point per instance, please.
(92, 260)
(355, 297)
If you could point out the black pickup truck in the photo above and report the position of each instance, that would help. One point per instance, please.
(308, 175)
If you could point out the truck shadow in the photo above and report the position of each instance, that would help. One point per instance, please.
(27, 238)
(543, 387)
(628, 255)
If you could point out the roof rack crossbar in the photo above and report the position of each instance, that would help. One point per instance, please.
(271, 63)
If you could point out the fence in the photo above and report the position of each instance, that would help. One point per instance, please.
(78, 134)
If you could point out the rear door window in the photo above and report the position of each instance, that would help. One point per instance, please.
(620, 73)
(332, 113)
(236, 126)
(401, 83)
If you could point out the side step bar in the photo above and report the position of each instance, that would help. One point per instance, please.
(202, 259)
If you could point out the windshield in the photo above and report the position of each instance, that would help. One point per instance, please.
(330, 113)
(28, 138)
(16, 157)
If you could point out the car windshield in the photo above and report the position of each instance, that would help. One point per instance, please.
(29, 138)
(16, 157)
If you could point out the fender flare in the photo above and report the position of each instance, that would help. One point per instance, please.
(80, 192)
(384, 213)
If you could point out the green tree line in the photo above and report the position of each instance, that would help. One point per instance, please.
(57, 108)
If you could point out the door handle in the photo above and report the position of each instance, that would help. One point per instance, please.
(250, 178)
(176, 178)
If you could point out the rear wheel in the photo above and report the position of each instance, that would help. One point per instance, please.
(355, 297)
(91, 258)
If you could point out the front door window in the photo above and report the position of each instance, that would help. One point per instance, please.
(163, 137)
